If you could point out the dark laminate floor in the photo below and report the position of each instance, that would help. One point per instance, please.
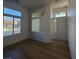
(31, 49)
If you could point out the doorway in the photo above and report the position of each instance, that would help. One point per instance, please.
(58, 24)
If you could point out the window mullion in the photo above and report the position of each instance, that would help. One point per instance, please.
(13, 25)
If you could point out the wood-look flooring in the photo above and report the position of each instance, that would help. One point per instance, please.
(31, 49)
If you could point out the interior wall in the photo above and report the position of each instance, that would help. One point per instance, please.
(59, 4)
(72, 27)
(43, 35)
(8, 40)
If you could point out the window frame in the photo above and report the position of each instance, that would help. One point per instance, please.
(39, 24)
(13, 16)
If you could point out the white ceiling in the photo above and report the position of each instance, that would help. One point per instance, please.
(34, 3)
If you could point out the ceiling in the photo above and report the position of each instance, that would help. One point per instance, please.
(34, 3)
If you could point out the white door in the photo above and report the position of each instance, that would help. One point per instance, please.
(61, 24)
(58, 28)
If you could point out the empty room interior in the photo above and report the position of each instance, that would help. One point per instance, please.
(39, 29)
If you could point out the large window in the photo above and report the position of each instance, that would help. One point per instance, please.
(35, 22)
(11, 22)
(58, 12)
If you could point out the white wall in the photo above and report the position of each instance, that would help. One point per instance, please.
(72, 27)
(24, 26)
(43, 35)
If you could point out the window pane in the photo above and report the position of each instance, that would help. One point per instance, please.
(8, 26)
(60, 14)
(36, 15)
(12, 12)
(51, 15)
(55, 25)
(36, 25)
(16, 25)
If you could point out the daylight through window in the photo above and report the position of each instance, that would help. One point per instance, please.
(11, 22)
(35, 22)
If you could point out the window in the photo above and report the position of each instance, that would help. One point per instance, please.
(11, 24)
(35, 22)
(12, 12)
(60, 14)
(16, 25)
(35, 25)
(8, 25)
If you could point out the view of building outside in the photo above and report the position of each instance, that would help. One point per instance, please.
(11, 22)
(8, 25)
